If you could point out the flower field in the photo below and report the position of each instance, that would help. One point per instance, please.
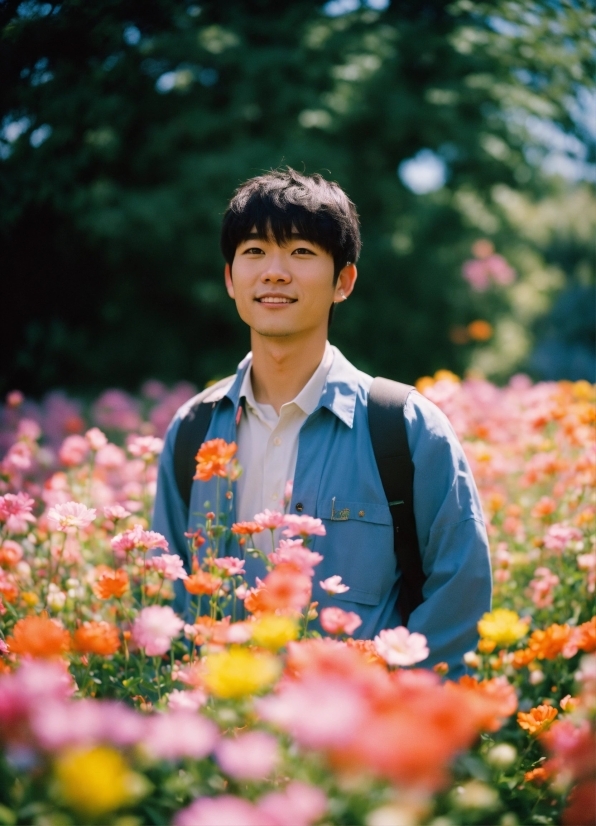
(114, 710)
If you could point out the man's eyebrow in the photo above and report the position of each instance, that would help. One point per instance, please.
(257, 236)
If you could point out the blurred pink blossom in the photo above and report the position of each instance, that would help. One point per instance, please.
(224, 810)
(137, 539)
(116, 410)
(487, 267)
(397, 646)
(115, 512)
(73, 451)
(288, 490)
(144, 447)
(170, 566)
(186, 700)
(300, 804)
(336, 621)
(230, 565)
(86, 722)
(154, 629)
(15, 512)
(178, 734)
(333, 585)
(19, 457)
(70, 517)
(269, 519)
(110, 456)
(250, 756)
(302, 526)
(96, 438)
(542, 587)
(559, 536)
(29, 430)
(292, 551)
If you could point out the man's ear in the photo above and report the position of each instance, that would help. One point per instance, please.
(345, 282)
(228, 280)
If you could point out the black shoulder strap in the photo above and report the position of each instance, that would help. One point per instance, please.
(191, 435)
(389, 439)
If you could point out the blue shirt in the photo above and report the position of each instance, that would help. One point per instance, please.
(336, 471)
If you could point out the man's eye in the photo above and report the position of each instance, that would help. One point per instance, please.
(303, 251)
(252, 251)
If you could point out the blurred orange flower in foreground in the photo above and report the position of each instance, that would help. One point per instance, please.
(480, 330)
(97, 638)
(39, 637)
(213, 459)
(111, 584)
(537, 720)
(202, 583)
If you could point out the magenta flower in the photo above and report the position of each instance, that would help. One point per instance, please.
(178, 734)
(336, 621)
(303, 526)
(170, 566)
(269, 519)
(333, 585)
(155, 628)
(15, 512)
(293, 552)
(225, 810)
(250, 756)
(398, 647)
(137, 539)
(70, 517)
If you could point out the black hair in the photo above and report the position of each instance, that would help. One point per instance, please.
(283, 202)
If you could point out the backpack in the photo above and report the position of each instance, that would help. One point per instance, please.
(386, 422)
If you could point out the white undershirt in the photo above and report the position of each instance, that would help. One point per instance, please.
(268, 445)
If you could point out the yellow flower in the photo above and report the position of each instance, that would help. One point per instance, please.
(29, 598)
(273, 632)
(95, 781)
(502, 626)
(238, 672)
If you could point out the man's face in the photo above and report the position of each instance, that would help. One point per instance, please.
(285, 290)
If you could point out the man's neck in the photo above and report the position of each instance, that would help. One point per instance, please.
(281, 367)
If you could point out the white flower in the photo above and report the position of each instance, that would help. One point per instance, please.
(334, 585)
(398, 647)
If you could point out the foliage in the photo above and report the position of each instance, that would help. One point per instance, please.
(112, 710)
(126, 126)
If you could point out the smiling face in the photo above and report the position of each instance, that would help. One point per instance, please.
(287, 290)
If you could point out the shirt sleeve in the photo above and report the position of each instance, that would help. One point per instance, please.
(170, 514)
(451, 535)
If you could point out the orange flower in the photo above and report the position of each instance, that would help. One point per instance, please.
(97, 638)
(539, 776)
(489, 701)
(9, 590)
(246, 528)
(39, 637)
(548, 644)
(10, 553)
(522, 657)
(480, 330)
(486, 646)
(283, 589)
(202, 583)
(213, 459)
(537, 720)
(585, 636)
(111, 584)
(544, 507)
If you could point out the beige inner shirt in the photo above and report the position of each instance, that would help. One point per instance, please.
(268, 446)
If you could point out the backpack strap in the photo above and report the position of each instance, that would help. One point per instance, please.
(386, 401)
(191, 435)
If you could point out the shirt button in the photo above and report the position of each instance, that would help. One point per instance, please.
(277, 441)
(299, 507)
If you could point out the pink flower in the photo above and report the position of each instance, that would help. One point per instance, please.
(333, 585)
(288, 490)
(137, 539)
(337, 621)
(186, 700)
(398, 647)
(230, 565)
(155, 628)
(542, 587)
(58, 725)
(96, 438)
(70, 517)
(250, 756)
(300, 804)
(144, 447)
(15, 511)
(293, 552)
(269, 519)
(29, 430)
(559, 536)
(73, 451)
(3, 647)
(225, 810)
(170, 566)
(178, 734)
(111, 457)
(303, 526)
(19, 457)
(115, 512)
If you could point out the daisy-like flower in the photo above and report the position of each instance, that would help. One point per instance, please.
(15, 512)
(115, 512)
(398, 647)
(269, 519)
(155, 628)
(70, 517)
(303, 526)
(333, 585)
(170, 566)
(230, 565)
(137, 539)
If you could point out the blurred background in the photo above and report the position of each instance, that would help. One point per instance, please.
(463, 131)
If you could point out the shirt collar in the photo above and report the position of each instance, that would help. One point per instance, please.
(333, 385)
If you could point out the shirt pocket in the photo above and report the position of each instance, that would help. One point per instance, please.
(359, 547)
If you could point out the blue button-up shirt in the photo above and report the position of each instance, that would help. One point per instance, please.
(336, 471)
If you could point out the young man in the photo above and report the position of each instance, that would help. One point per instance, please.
(298, 411)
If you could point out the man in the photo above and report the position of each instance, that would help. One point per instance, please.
(298, 411)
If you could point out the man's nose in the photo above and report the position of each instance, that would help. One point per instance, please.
(275, 272)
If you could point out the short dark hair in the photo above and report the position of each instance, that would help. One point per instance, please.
(283, 202)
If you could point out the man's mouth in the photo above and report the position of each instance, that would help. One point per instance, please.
(275, 299)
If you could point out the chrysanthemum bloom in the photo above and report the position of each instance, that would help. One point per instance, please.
(169, 566)
(398, 647)
(548, 644)
(537, 720)
(137, 539)
(213, 459)
(274, 632)
(250, 756)
(201, 583)
(246, 528)
(15, 512)
(283, 589)
(111, 584)
(73, 451)
(333, 585)
(239, 672)
(582, 638)
(70, 517)
(303, 526)
(97, 638)
(488, 702)
(229, 565)
(522, 657)
(95, 781)
(269, 519)
(336, 621)
(293, 552)
(502, 626)
(155, 628)
(115, 512)
(39, 637)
